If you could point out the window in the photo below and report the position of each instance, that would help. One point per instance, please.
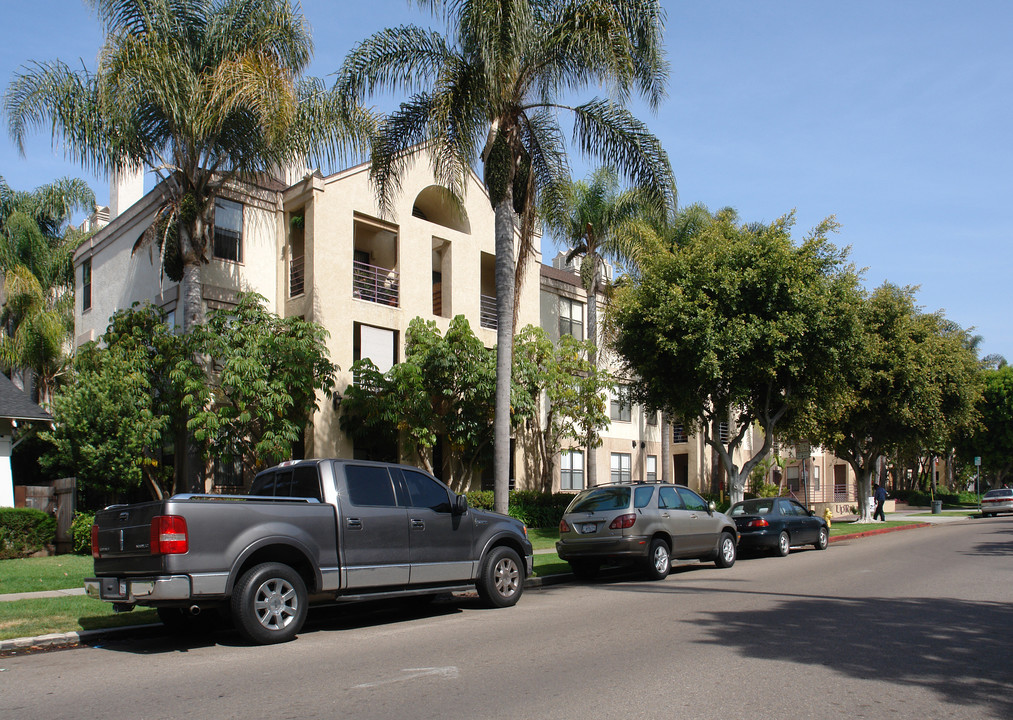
(86, 285)
(791, 473)
(679, 432)
(652, 468)
(369, 486)
(620, 409)
(571, 318)
(668, 499)
(642, 497)
(378, 345)
(426, 492)
(816, 477)
(690, 499)
(723, 433)
(621, 468)
(228, 242)
(571, 470)
(652, 418)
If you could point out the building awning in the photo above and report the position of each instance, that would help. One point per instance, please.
(15, 405)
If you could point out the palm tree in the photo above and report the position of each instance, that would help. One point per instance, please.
(202, 93)
(491, 91)
(37, 272)
(597, 220)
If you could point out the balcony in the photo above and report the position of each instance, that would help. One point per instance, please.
(487, 312)
(375, 284)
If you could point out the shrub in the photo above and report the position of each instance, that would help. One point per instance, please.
(535, 509)
(24, 532)
(80, 529)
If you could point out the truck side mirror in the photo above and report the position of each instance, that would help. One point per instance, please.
(460, 504)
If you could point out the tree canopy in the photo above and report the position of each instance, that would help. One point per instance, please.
(491, 90)
(737, 323)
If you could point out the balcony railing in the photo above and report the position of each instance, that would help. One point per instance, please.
(375, 284)
(487, 312)
(296, 276)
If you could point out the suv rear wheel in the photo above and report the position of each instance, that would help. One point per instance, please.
(659, 560)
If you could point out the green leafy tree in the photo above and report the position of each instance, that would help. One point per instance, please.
(490, 91)
(912, 381)
(992, 440)
(442, 391)
(37, 272)
(122, 409)
(738, 323)
(597, 220)
(268, 373)
(562, 396)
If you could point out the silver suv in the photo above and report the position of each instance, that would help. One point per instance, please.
(646, 523)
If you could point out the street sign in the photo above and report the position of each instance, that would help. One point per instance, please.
(977, 460)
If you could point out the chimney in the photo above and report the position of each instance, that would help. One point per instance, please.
(126, 186)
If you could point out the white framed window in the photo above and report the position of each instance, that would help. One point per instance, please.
(571, 318)
(571, 470)
(652, 468)
(816, 477)
(620, 408)
(791, 474)
(86, 285)
(621, 466)
(228, 238)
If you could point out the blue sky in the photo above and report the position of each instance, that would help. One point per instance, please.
(893, 116)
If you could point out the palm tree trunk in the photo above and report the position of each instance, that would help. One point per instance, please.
(504, 349)
(666, 449)
(592, 356)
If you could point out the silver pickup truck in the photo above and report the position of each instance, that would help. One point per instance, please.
(310, 530)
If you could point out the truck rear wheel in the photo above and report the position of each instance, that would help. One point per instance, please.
(501, 579)
(269, 603)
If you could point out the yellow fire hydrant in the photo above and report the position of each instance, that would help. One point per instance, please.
(828, 516)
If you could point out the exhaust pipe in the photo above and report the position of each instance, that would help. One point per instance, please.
(195, 610)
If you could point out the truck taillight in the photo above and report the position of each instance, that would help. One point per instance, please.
(168, 535)
(94, 541)
(623, 521)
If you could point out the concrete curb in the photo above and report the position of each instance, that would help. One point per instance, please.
(91, 636)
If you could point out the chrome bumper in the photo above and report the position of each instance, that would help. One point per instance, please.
(141, 590)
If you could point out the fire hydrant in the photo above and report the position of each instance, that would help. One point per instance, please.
(828, 516)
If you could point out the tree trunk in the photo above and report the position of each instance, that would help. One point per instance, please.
(504, 349)
(666, 449)
(592, 357)
(864, 478)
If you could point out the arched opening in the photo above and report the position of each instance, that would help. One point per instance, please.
(438, 205)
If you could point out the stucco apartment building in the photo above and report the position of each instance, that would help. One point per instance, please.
(318, 247)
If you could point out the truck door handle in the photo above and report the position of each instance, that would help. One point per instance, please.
(416, 523)
(354, 523)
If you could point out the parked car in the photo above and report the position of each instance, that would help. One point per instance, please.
(996, 501)
(645, 523)
(778, 523)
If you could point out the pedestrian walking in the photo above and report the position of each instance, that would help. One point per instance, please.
(880, 497)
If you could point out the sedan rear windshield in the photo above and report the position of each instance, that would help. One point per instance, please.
(999, 493)
(601, 499)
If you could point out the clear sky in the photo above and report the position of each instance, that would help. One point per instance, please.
(894, 116)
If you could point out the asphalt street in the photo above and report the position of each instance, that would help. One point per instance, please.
(902, 625)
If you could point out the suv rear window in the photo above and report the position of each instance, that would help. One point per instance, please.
(601, 499)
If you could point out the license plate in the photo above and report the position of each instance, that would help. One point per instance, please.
(589, 528)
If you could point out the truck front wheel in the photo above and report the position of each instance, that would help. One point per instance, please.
(501, 579)
(269, 603)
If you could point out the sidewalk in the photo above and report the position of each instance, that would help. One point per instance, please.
(907, 514)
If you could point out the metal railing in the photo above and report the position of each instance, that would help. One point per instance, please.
(375, 284)
(297, 276)
(487, 312)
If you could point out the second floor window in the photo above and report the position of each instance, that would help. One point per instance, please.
(621, 409)
(86, 285)
(571, 318)
(621, 468)
(228, 242)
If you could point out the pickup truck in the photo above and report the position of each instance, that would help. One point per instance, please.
(308, 531)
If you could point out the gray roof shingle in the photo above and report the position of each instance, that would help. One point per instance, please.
(15, 405)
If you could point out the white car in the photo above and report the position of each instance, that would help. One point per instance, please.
(997, 501)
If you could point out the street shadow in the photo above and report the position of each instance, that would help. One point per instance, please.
(156, 639)
(958, 649)
(1001, 544)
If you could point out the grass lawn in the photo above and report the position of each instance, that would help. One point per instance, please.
(46, 573)
(543, 538)
(846, 528)
(28, 618)
(550, 564)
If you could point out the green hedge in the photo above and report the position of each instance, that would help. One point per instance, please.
(80, 529)
(924, 499)
(25, 531)
(535, 509)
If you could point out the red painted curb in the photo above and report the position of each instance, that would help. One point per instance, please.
(867, 533)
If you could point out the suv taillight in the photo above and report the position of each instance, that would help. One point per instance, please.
(168, 535)
(94, 541)
(563, 527)
(623, 521)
